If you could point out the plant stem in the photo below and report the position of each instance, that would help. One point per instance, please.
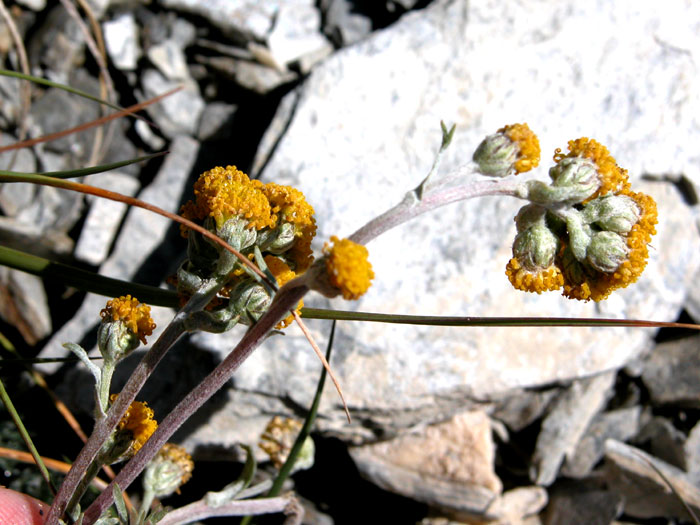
(285, 300)
(5, 397)
(200, 510)
(104, 428)
(438, 193)
(90, 474)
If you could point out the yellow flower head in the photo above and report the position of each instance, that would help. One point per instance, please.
(612, 177)
(277, 441)
(529, 146)
(223, 193)
(598, 285)
(348, 267)
(536, 280)
(289, 205)
(178, 455)
(136, 316)
(138, 421)
(283, 274)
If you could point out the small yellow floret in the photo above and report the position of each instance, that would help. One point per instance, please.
(283, 274)
(540, 280)
(223, 193)
(528, 143)
(178, 455)
(136, 316)
(348, 267)
(289, 205)
(613, 178)
(138, 420)
(278, 438)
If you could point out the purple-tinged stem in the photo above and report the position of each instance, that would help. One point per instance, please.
(200, 510)
(103, 428)
(285, 300)
(433, 197)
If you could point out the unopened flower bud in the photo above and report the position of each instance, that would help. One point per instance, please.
(615, 213)
(606, 251)
(280, 239)
(169, 469)
(249, 300)
(125, 324)
(535, 247)
(512, 148)
(574, 179)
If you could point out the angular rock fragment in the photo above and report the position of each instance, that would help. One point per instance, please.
(104, 217)
(121, 36)
(671, 373)
(565, 424)
(582, 505)
(448, 465)
(643, 483)
(621, 424)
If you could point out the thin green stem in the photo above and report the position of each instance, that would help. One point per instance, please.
(25, 437)
(148, 496)
(286, 469)
(429, 320)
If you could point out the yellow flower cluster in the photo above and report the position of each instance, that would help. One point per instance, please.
(223, 193)
(278, 438)
(136, 316)
(138, 421)
(348, 267)
(580, 279)
(534, 280)
(599, 285)
(289, 205)
(528, 145)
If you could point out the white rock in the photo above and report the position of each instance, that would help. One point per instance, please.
(297, 32)
(247, 18)
(566, 423)
(177, 113)
(34, 5)
(169, 58)
(122, 40)
(104, 217)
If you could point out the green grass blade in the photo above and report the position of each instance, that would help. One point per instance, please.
(4, 396)
(286, 469)
(49, 83)
(342, 315)
(16, 176)
(85, 280)
(306, 428)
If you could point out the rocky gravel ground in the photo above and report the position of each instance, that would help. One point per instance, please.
(343, 99)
